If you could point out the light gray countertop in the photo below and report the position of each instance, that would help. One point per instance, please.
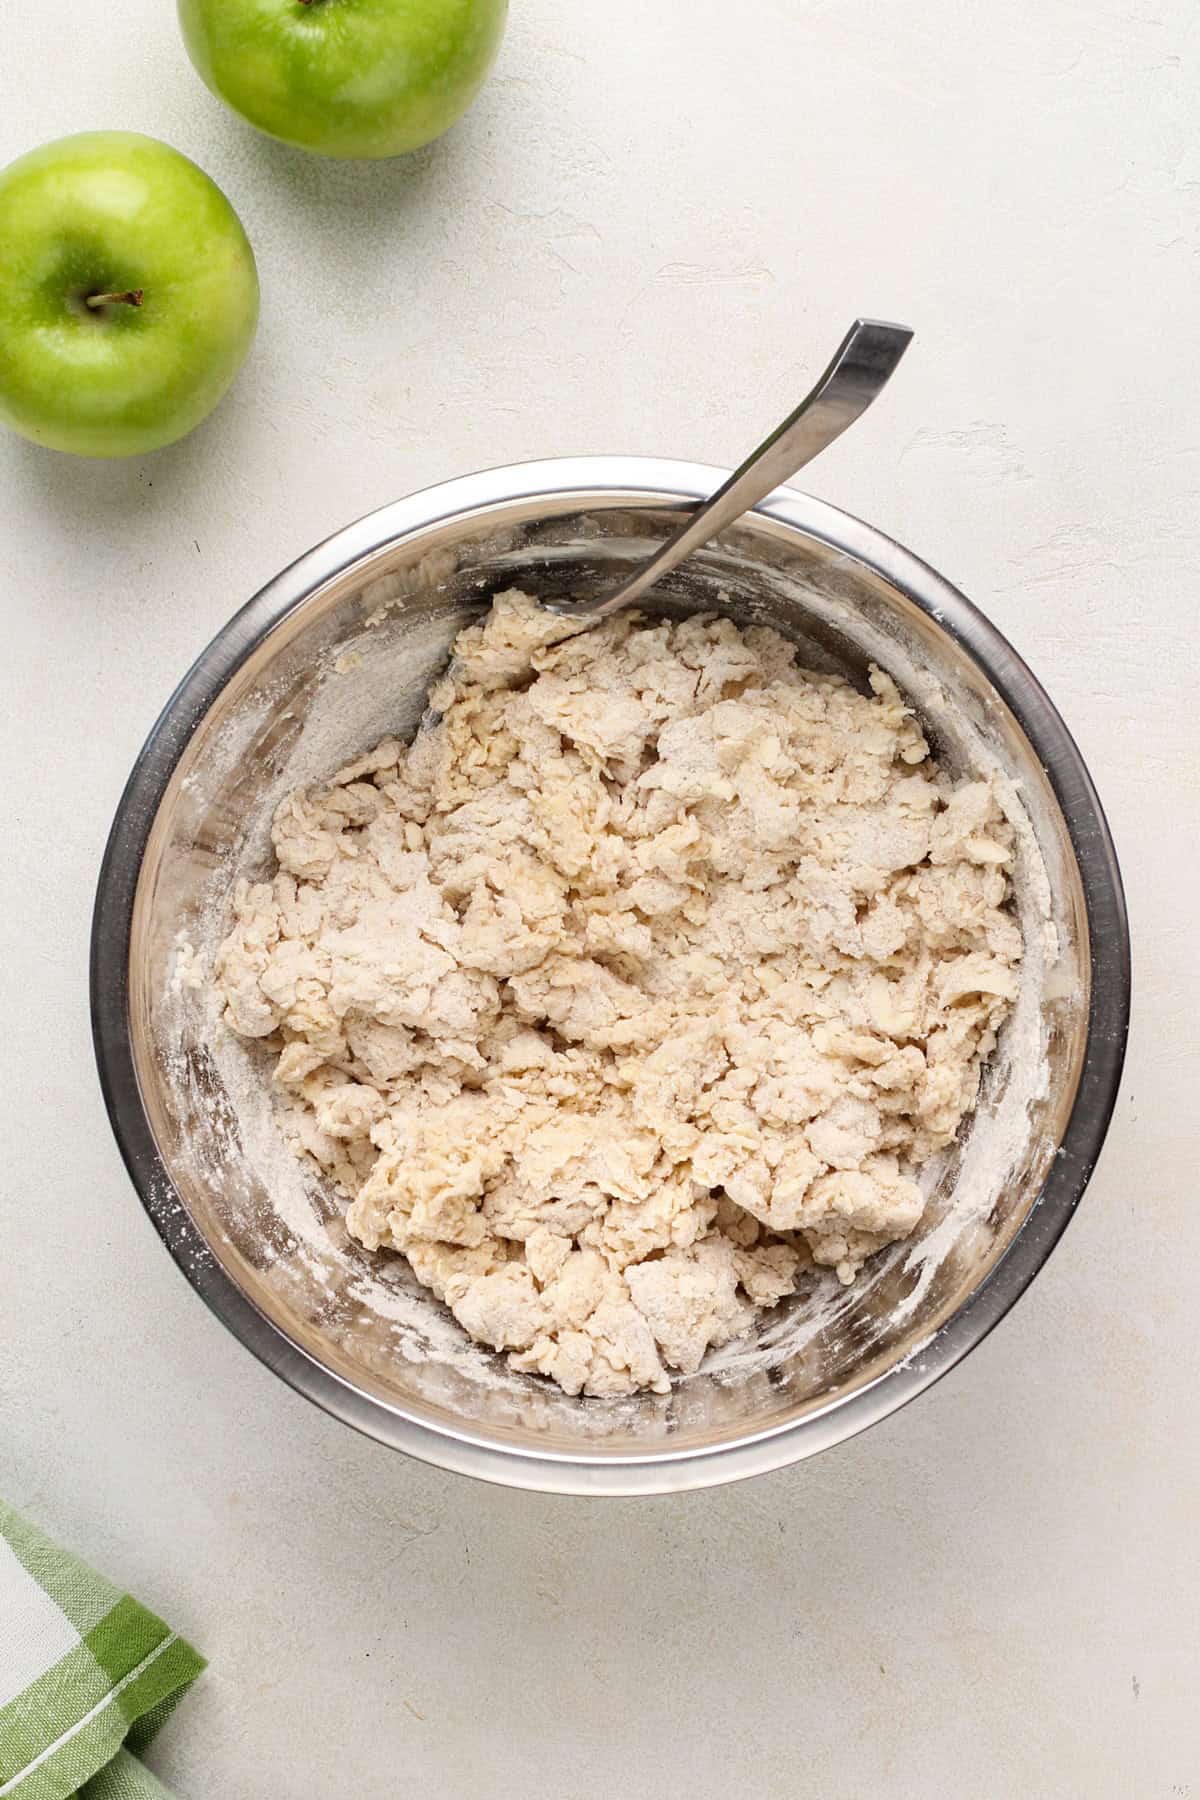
(647, 237)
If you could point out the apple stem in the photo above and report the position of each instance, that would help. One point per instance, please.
(131, 297)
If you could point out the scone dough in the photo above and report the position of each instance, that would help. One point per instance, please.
(647, 978)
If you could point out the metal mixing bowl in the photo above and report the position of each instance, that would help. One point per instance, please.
(337, 651)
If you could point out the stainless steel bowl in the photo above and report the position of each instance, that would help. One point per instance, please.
(338, 650)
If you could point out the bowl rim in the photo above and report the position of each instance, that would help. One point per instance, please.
(613, 481)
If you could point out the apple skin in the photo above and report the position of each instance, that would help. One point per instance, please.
(109, 212)
(345, 78)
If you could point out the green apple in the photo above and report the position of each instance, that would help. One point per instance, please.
(128, 294)
(345, 77)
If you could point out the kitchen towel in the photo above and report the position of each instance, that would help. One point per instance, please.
(87, 1676)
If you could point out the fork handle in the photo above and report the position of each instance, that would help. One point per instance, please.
(864, 361)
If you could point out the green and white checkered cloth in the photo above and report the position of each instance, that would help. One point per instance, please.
(87, 1676)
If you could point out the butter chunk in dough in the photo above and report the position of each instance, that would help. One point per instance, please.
(644, 981)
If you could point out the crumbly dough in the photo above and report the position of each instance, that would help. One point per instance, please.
(645, 979)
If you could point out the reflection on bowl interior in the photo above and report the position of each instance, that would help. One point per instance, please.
(353, 663)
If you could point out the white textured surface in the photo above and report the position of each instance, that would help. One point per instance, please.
(651, 229)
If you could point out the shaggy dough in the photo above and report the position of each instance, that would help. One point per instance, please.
(647, 978)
